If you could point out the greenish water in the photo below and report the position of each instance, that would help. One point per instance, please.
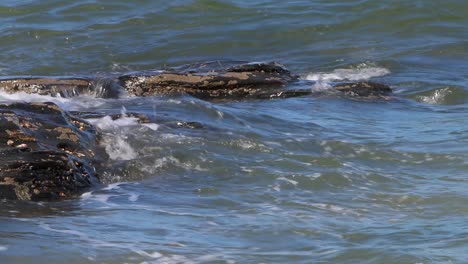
(317, 179)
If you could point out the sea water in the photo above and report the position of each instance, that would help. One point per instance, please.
(316, 179)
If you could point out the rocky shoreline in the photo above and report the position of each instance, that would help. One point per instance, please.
(47, 153)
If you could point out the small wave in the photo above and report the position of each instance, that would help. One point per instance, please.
(435, 97)
(348, 74)
(107, 123)
(133, 247)
(336, 209)
(115, 140)
(112, 186)
(118, 148)
(443, 96)
(3, 248)
(101, 198)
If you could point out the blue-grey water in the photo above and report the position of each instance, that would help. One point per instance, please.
(316, 179)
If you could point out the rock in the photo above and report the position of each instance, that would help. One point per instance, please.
(39, 175)
(185, 124)
(364, 89)
(210, 80)
(63, 87)
(45, 153)
(284, 94)
(66, 87)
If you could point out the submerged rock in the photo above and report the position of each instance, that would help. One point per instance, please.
(364, 89)
(211, 80)
(45, 153)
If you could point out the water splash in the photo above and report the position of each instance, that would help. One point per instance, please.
(69, 104)
(115, 135)
(361, 73)
(450, 95)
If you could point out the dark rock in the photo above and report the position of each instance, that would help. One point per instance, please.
(364, 89)
(185, 124)
(45, 153)
(210, 80)
(284, 94)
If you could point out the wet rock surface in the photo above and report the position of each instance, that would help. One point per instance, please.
(45, 153)
(60, 86)
(46, 86)
(364, 89)
(211, 80)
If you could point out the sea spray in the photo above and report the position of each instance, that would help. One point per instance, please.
(116, 134)
(348, 74)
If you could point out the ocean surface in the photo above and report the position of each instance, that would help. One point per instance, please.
(315, 179)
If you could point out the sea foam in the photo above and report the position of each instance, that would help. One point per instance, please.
(70, 104)
(116, 133)
(357, 74)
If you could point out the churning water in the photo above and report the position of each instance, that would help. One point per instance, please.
(317, 179)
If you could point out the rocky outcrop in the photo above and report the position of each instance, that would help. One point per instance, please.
(234, 80)
(60, 86)
(45, 153)
(46, 86)
(211, 80)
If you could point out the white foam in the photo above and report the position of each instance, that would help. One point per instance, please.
(86, 195)
(115, 141)
(113, 186)
(151, 126)
(437, 96)
(107, 123)
(161, 163)
(3, 248)
(357, 74)
(169, 259)
(154, 254)
(322, 86)
(133, 197)
(293, 182)
(70, 104)
(336, 209)
(276, 187)
(63, 231)
(119, 149)
(102, 198)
